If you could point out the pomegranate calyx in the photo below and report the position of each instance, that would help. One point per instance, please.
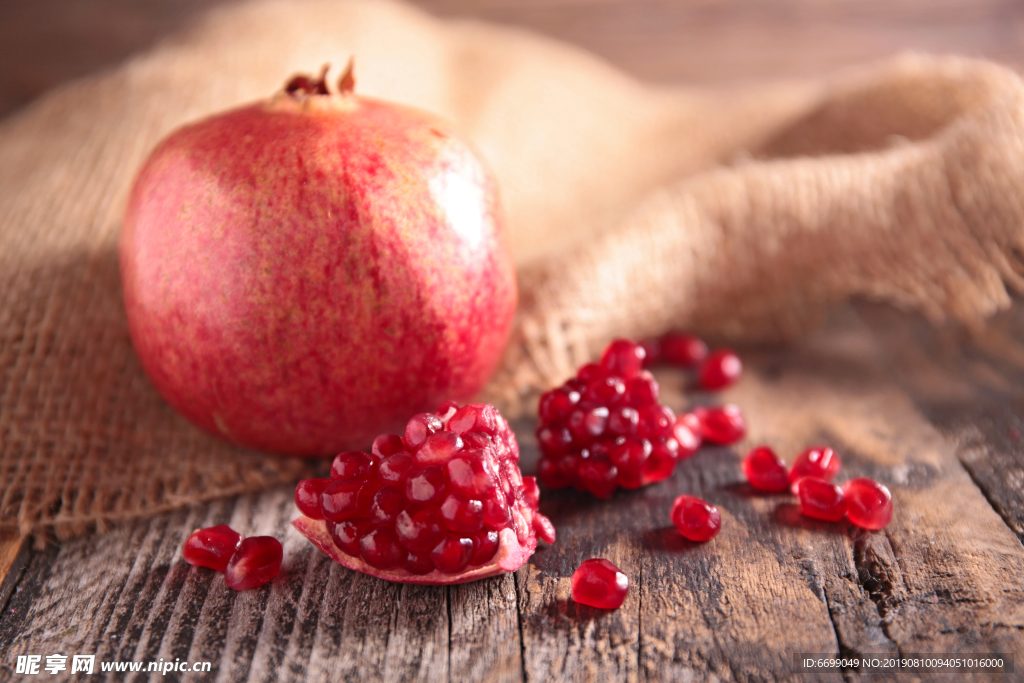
(347, 82)
(304, 85)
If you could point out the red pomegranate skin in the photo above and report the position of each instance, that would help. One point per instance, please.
(305, 273)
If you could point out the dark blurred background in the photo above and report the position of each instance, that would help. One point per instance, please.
(46, 42)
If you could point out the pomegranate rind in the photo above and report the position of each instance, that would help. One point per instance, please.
(511, 556)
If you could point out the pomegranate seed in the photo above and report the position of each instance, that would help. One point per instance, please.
(452, 554)
(589, 373)
(652, 352)
(556, 404)
(549, 472)
(340, 499)
(380, 548)
(479, 417)
(765, 470)
(720, 369)
(438, 448)
(662, 463)
(629, 458)
(419, 427)
(418, 564)
(696, 519)
(599, 476)
(387, 503)
(682, 349)
(425, 485)
(352, 464)
(346, 534)
(307, 497)
(599, 583)
(211, 547)
(418, 528)
(586, 425)
(394, 468)
(554, 439)
(656, 420)
(642, 390)
(256, 562)
(496, 512)
(820, 462)
(868, 504)
(820, 499)
(472, 473)
(544, 528)
(623, 358)
(605, 390)
(386, 445)
(531, 492)
(462, 515)
(485, 544)
(686, 436)
(721, 424)
(623, 421)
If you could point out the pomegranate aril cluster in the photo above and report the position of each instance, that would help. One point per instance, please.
(605, 427)
(433, 499)
(246, 563)
(863, 502)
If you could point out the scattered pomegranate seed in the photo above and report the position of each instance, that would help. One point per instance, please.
(765, 470)
(820, 499)
(256, 562)
(307, 497)
(605, 429)
(599, 583)
(721, 424)
(720, 369)
(696, 519)
(211, 547)
(351, 464)
(682, 349)
(868, 504)
(820, 462)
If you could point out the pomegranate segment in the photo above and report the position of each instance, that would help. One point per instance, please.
(256, 562)
(868, 504)
(604, 429)
(820, 499)
(211, 547)
(696, 519)
(720, 370)
(820, 462)
(765, 470)
(599, 583)
(444, 504)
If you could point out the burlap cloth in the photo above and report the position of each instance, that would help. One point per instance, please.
(741, 213)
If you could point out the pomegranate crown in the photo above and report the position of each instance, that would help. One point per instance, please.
(306, 84)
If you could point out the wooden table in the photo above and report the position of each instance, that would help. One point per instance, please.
(935, 414)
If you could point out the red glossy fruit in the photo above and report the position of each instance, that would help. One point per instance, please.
(307, 497)
(256, 562)
(820, 462)
(721, 424)
(306, 272)
(696, 520)
(599, 583)
(211, 547)
(450, 506)
(868, 504)
(682, 349)
(765, 470)
(605, 429)
(820, 499)
(719, 370)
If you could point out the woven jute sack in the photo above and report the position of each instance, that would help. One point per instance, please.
(740, 213)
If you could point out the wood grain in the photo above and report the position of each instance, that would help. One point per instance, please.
(946, 576)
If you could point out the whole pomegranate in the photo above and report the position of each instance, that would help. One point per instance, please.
(307, 272)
